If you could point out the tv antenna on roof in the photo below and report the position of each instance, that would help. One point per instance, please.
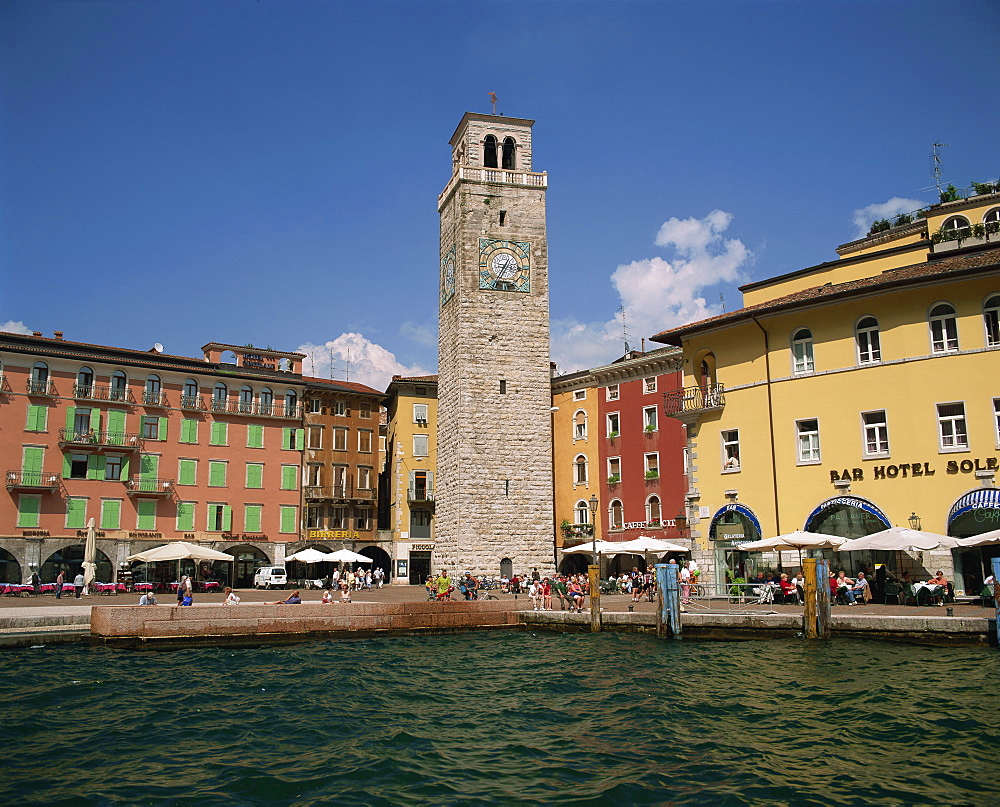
(493, 100)
(624, 330)
(937, 164)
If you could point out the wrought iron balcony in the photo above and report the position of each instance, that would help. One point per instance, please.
(150, 487)
(337, 493)
(40, 387)
(694, 400)
(32, 480)
(150, 398)
(420, 494)
(94, 392)
(88, 438)
(195, 402)
(253, 408)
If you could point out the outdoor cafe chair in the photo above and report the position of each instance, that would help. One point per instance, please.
(892, 590)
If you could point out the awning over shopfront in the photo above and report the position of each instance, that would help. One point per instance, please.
(985, 499)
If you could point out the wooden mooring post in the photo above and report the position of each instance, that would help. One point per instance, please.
(594, 578)
(822, 579)
(809, 593)
(995, 563)
(668, 597)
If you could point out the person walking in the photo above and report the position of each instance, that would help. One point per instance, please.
(685, 584)
(78, 584)
(60, 581)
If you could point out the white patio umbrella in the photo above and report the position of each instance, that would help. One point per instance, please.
(900, 539)
(981, 540)
(598, 547)
(90, 555)
(346, 556)
(179, 550)
(644, 544)
(309, 555)
(799, 539)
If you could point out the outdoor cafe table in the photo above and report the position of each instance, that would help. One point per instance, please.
(143, 587)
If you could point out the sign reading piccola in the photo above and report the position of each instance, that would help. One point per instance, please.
(915, 469)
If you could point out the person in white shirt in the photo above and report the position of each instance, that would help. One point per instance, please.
(535, 592)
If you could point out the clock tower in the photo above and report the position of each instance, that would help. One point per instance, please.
(494, 431)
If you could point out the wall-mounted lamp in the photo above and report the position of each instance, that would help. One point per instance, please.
(914, 521)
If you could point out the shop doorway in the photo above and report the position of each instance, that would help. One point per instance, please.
(420, 566)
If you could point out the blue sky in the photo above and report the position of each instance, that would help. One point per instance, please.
(267, 172)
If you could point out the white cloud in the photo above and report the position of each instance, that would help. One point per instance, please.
(355, 358)
(421, 334)
(864, 217)
(15, 327)
(657, 293)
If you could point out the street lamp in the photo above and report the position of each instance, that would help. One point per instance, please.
(593, 524)
(914, 520)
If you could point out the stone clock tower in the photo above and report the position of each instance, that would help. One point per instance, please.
(494, 431)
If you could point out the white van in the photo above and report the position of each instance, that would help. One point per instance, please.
(270, 577)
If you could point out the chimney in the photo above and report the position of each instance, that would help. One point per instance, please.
(36, 333)
(58, 334)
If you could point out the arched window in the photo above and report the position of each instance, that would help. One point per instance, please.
(582, 511)
(39, 382)
(944, 329)
(490, 151)
(119, 384)
(653, 511)
(153, 389)
(190, 396)
(580, 470)
(991, 319)
(291, 399)
(246, 399)
(266, 401)
(508, 153)
(958, 223)
(84, 383)
(219, 396)
(580, 425)
(992, 221)
(802, 352)
(866, 337)
(227, 357)
(616, 515)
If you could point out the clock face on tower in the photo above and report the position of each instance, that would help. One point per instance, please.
(448, 276)
(504, 265)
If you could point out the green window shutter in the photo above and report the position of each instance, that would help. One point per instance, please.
(76, 510)
(28, 508)
(286, 438)
(124, 467)
(31, 465)
(255, 436)
(287, 519)
(111, 511)
(163, 429)
(288, 477)
(95, 466)
(219, 434)
(70, 416)
(255, 476)
(185, 516)
(95, 420)
(217, 474)
(149, 466)
(251, 518)
(227, 518)
(147, 514)
(188, 472)
(37, 417)
(67, 465)
(300, 438)
(116, 427)
(189, 430)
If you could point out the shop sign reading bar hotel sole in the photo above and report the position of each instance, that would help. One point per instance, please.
(907, 470)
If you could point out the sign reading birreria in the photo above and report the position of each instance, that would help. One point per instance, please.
(333, 534)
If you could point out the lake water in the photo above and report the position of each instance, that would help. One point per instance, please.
(503, 718)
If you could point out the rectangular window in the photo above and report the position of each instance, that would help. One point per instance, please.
(365, 410)
(362, 518)
(339, 481)
(37, 418)
(289, 477)
(649, 384)
(614, 470)
(996, 419)
(216, 474)
(288, 518)
(340, 439)
(292, 439)
(579, 395)
(730, 449)
(111, 514)
(315, 406)
(252, 517)
(613, 424)
(340, 408)
(315, 437)
(150, 427)
(76, 513)
(365, 441)
(187, 472)
(420, 445)
(951, 427)
(28, 508)
(255, 436)
(364, 478)
(503, 386)
(314, 475)
(649, 418)
(220, 518)
(314, 517)
(77, 466)
(612, 392)
(808, 440)
(185, 516)
(112, 468)
(255, 475)
(876, 433)
(147, 514)
(220, 434)
(337, 516)
(189, 430)
(652, 462)
(420, 413)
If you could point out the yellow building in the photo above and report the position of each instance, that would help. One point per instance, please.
(577, 470)
(851, 396)
(411, 456)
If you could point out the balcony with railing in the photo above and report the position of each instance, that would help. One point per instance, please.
(690, 402)
(254, 408)
(420, 495)
(4, 384)
(193, 402)
(157, 399)
(337, 493)
(32, 480)
(94, 392)
(150, 487)
(37, 386)
(95, 440)
(478, 173)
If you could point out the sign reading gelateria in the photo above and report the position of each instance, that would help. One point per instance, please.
(914, 469)
(333, 534)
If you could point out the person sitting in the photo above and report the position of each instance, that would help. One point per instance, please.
(231, 598)
(845, 588)
(861, 589)
(940, 583)
(147, 599)
(345, 592)
(327, 596)
(789, 592)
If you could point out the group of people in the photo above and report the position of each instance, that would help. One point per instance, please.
(362, 579)
(570, 590)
